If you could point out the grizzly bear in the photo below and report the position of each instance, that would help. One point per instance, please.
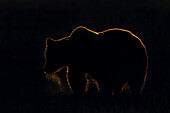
(113, 60)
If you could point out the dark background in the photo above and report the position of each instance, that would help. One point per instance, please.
(24, 26)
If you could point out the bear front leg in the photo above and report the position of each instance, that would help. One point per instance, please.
(89, 81)
(77, 81)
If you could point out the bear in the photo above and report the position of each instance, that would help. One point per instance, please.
(113, 60)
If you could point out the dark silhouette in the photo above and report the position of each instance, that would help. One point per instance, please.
(114, 58)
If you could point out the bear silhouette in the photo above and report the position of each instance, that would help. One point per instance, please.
(113, 59)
